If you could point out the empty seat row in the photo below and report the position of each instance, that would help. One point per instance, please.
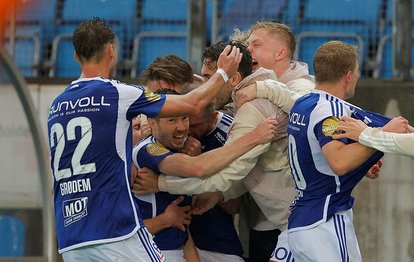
(146, 29)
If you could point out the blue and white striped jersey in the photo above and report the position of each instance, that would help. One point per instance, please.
(90, 144)
(218, 136)
(321, 193)
(149, 153)
(214, 230)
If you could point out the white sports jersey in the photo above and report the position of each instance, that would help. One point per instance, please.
(90, 144)
(321, 193)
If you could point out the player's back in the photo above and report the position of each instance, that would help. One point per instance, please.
(90, 143)
(320, 192)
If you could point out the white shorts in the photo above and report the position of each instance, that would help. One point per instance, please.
(332, 241)
(176, 255)
(282, 251)
(138, 248)
(210, 256)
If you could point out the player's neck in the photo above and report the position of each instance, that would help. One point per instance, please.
(90, 70)
(334, 89)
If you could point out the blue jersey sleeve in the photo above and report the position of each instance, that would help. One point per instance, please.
(147, 103)
(372, 119)
(151, 155)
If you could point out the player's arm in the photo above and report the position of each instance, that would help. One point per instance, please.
(190, 251)
(173, 216)
(213, 161)
(385, 140)
(276, 92)
(197, 99)
(244, 122)
(343, 158)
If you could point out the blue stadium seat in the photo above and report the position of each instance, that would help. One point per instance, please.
(290, 13)
(165, 43)
(63, 63)
(35, 25)
(26, 54)
(164, 16)
(238, 14)
(12, 237)
(308, 43)
(336, 19)
(121, 15)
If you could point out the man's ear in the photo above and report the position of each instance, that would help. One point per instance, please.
(235, 79)
(281, 54)
(348, 76)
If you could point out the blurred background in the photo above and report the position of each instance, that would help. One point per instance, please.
(36, 63)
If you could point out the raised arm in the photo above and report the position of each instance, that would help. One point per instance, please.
(213, 161)
(197, 99)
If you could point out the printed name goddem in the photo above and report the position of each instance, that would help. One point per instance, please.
(76, 186)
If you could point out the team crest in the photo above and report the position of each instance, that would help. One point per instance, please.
(330, 125)
(151, 97)
(155, 149)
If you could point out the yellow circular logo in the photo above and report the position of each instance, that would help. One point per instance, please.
(330, 125)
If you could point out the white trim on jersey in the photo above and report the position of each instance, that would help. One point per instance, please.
(127, 96)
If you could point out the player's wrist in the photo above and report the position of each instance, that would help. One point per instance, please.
(223, 74)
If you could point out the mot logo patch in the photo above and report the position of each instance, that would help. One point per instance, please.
(330, 125)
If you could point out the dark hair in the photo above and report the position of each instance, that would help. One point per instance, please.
(90, 38)
(246, 63)
(170, 69)
(211, 54)
(165, 91)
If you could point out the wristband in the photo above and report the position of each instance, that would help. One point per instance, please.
(223, 74)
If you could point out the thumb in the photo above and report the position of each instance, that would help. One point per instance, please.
(178, 200)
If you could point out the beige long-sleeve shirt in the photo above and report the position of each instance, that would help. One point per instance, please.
(394, 143)
(264, 170)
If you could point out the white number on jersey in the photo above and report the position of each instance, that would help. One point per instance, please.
(294, 164)
(86, 136)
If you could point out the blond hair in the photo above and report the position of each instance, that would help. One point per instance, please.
(279, 29)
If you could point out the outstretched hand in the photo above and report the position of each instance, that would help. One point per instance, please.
(229, 60)
(349, 128)
(145, 182)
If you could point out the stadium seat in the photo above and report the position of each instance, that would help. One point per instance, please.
(162, 30)
(309, 42)
(35, 21)
(238, 14)
(326, 20)
(163, 16)
(12, 237)
(122, 20)
(26, 53)
(165, 43)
